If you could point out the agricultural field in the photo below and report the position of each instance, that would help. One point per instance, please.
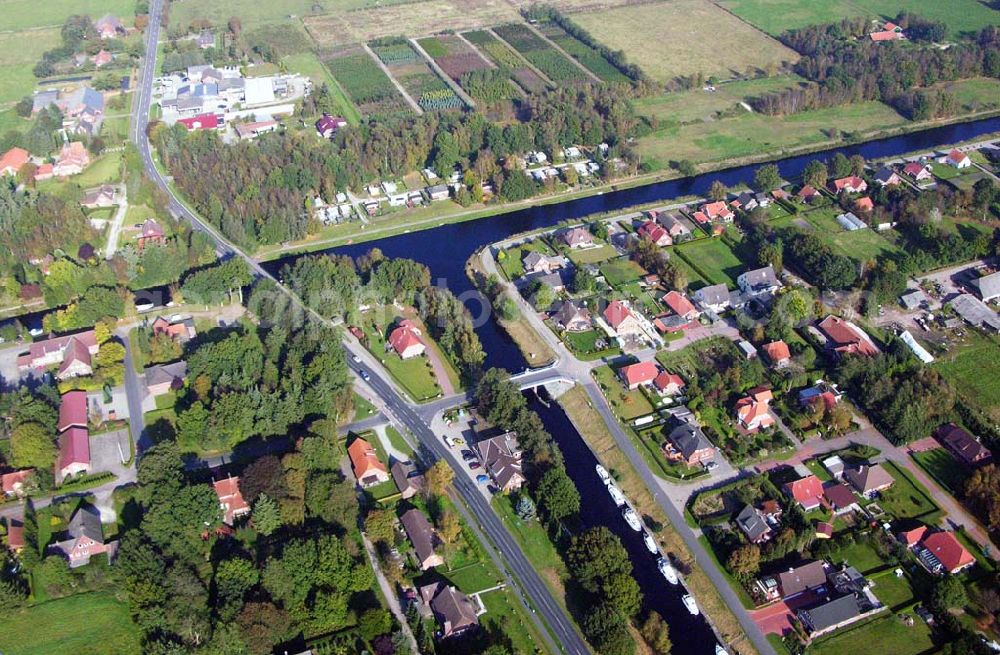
(463, 63)
(506, 60)
(308, 64)
(88, 624)
(591, 59)
(365, 83)
(453, 56)
(777, 16)
(860, 245)
(973, 367)
(684, 37)
(542, 56)
(754, 135)
(417, 77)
(19, 52)
(345, 27)
(713, 259)
(27, 14)
(254, 14)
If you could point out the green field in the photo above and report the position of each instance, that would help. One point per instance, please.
(26, 14)
(752, 135)
(308, 64)
(776, 16)
(86, 624)
(251, 13)
(684, 37)
(892, 591)
(716, 260)
(977, 94)
(19, 52)
(859, 555)
(860, 245)
(973, 367)
(621, 271)
(891, 635)
(945, 470)
(592, 255)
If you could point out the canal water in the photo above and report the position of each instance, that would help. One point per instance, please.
(444, 250)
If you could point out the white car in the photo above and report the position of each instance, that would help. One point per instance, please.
(355, 359)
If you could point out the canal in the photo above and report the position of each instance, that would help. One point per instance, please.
(444, 250)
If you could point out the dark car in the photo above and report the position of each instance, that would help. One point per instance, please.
(474, 465)
(364, 375)
(468, 455)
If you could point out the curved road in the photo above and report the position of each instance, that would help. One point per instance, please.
(519, 569)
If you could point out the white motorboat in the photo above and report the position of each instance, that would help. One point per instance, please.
(616, 494)
(719, 650)
(690, 604)
(632, 519)
(650, 543)
(668, 571)
(602, 473)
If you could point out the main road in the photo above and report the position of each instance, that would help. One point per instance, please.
(550, 615)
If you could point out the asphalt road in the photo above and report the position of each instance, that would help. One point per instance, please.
(566, 637)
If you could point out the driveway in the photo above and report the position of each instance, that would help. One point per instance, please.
(107, 451)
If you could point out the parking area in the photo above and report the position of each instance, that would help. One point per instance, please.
(458, 437)
(108, 449)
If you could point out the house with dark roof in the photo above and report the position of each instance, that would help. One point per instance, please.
(913, 300)
(797, 580)
(537, 262)
(408, 479)
(164, 378)
(455, 612)
(753, 525)
(573, 317)
(714, 297)
(577, 237)
(421, 534)
(84, 537)
(673, 226)
(501, 455)
(886, 176)
(963, 446)
(987, 287)
(830, 615)
(869, 480)
(759, 282)
(840, 498)
(687, 443)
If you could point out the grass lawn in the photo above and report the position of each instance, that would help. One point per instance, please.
(776, 16)
(103, 169)
(19, 52)
(860, 555)
(24, 14)
(941, 466)
(252, 14)
(89, 624)
(362, 408)
(949, 172)
(818, 470)
(907, 498)
(681, 37)
(621, 271)
(512, 260)
(973, 367)
(532, 537)
(682, 107)
(415, 375)
(716, 260)
(397, 441)
(891, 635)
(747, 135)
(892, 591)
(584, 344)
(592, 255)
(626, 404)
(309, 65)
(860, 245)
(695, 280)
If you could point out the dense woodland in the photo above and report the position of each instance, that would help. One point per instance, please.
(848, 67)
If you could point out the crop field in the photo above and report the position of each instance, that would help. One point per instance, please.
(366, 84)
(26, 14)
(308, 64)
(506, 59)
(684, 37)
(747, 135)
(591, 59)
(453, 56)
(777, 16)
(716, 261)
(417, 77)
(344, 27)
(543, 56)
(19, 52)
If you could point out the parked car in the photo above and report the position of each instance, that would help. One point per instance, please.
(474, 465)
(482, 479)
(459, 441)
(468, 455)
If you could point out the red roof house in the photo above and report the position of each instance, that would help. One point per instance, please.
(13, 483)
(918, 171)
(405, 340)
(914, 536)
(958, 159)
(864, 204)
(231, 500)
(48, 352)
(852, 184)
(76, 360)
(74, 452)
(12, 161)
(328, 125)
(777, 353)
(680, 305)
(718, 211)
(654, 232)
(636, 375)
(44, 172)
(200, 122)
(73, 410)
(364, 460)
(15, 535)
(668, 384)
(179, 329)
(947, 549)
(807, 193)
(620, 318)
(102, 58)
(807, 492)
(72, 159)
(847, 338)
(754, 410)
(886, 35)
